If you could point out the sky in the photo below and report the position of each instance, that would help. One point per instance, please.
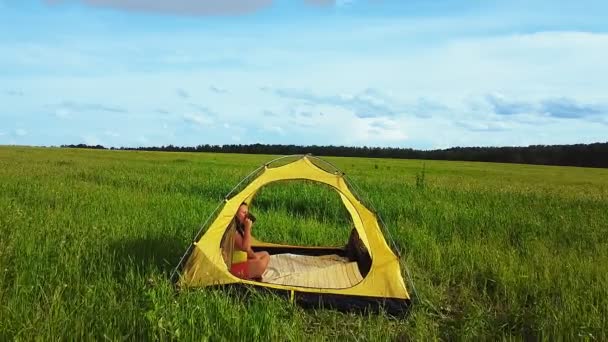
(412, 74)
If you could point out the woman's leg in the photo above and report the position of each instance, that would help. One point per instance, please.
(257, 266)
(262, 255)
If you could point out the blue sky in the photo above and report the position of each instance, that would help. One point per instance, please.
(416, 74)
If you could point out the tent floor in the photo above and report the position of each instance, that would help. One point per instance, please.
(324, 271)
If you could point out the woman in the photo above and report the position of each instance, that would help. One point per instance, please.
(246, 263)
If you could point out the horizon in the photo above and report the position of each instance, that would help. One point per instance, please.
(353, 73)
(72, 145)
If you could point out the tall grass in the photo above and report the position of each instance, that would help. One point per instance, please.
(88, 239)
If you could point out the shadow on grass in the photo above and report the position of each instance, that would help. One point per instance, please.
(155, 253)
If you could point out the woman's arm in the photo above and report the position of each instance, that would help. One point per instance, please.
(247, 239)
(244, 242)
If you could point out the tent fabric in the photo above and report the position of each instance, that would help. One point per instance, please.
(206, 266)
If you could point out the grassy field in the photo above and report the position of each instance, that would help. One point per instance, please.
(88, 240)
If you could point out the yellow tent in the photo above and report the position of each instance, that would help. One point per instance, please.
(364, 274)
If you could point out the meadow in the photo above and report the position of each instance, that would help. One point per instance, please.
(89, 238)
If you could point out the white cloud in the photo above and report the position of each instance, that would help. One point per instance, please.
(217, 90)
(274, 129)
(327, 124)
(520, 65)
(91, 139)
(365, 104)
(111, 134)
(14, 92)
(182, 93)
(485, 126)
(183, 7)
(176, 57)
(376, 131)
(20, 132)
(198, 119)
(344, 3)
(62, 113)
(337, 3)
(42, 55)
(66, 108)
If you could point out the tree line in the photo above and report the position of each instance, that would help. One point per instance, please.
(588, 155)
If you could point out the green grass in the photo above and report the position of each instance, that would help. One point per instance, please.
(88, 240)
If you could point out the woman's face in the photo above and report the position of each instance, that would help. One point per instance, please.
(241, 214)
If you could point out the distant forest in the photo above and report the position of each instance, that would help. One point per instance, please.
(588, 155)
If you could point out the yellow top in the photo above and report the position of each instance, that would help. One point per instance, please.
(238, 256)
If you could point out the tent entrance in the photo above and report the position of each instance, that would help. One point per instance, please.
(300, 212)
(311, 213)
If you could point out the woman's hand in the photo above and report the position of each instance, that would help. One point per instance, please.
(251, 254)
(248, 224)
